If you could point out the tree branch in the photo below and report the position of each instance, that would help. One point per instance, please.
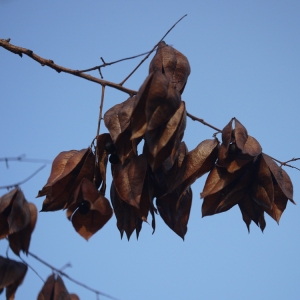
(23, 181)
(105, 64)
(203, 122)
(50, 63)
(286, 162)
(22, 158)
(70, 278)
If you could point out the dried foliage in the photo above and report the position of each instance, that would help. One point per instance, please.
(17, 220)
(54, 289)
(239, 173)
(245, 176)
(12, 275)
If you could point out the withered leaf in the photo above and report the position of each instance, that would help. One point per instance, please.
(129, 179)
(212, 203)
(155, 104)
(163, 103)
(88, 222)
(20, 241)
(217, 179)
(163, 142)
(12, 275)
(282, 178)
(138, 117)
(5, 209)
(227, 135)
(241, 134)
(166, 177)
(67, 171)
(127, 221)
(196, 163)
(54, 289)
(173, 64)
(279, 205)
(252, 147)
(252, 211)
(174, 208)
(232, 192)
(117, 120)
(262, 185)
(15, 216)
(19, 215)
(238, 148)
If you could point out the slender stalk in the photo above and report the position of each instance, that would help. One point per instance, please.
(98, 129)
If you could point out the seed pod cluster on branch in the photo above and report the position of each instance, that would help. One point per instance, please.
(245, 176)
(155, 119)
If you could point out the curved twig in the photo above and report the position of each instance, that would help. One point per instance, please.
(23, 181)
(105, 64)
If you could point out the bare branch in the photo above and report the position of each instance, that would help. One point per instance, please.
(151, 50)
(110, 63)
(70, 278)
(203, 122)
(22, 158)
(286, 163)
(23, 181)
(50, 63)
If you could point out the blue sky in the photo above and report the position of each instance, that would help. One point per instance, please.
(245, 63)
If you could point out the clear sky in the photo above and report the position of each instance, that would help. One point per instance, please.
(245, 63)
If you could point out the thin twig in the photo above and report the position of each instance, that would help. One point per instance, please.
(105, 64)
(203, 122)
(98, 128)
(286, 162)
(23, 181)
(150, 52)
(29, 266)
(22, 158)
(50, 63)
(70, 278)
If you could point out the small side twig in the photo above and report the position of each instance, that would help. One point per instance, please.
(286, 163)
(105, 64)
(70, 278)
(150, 52)
(23, 181)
